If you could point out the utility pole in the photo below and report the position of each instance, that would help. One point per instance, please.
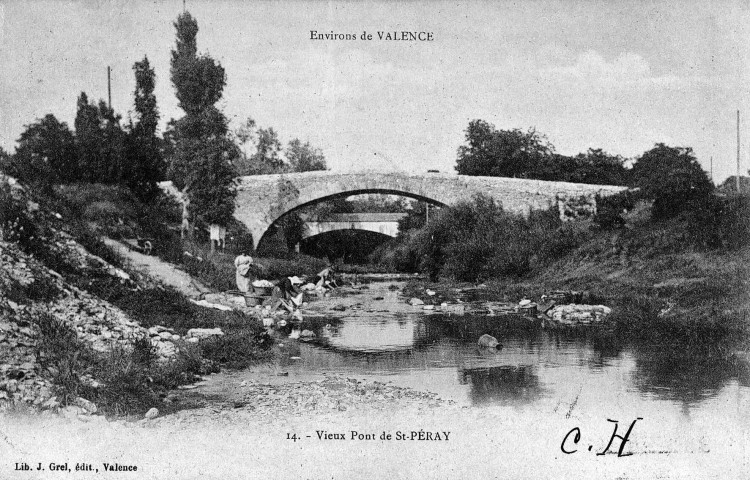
(738, 151)
(712, 169)
(109, 87)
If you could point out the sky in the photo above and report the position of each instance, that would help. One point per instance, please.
(615, 75)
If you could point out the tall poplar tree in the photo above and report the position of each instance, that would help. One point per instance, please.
(144, 166)
(201, 164)
(100, 142)
(88, 140)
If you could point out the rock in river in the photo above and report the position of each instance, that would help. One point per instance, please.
(307, 335)
(488, 341)
(579, 314)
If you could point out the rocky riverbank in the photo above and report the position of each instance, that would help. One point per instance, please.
(30, 290)
(52, 287)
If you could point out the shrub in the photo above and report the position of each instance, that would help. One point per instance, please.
(735, 222)
(63, 356)
(238, 349)
(16, 224)
(398, 255)
(126, 387)
(610, 209)
(720, 222)
(672, 178)
(479, 240)
(184, 368)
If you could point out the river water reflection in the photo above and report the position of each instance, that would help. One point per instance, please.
(536, 369)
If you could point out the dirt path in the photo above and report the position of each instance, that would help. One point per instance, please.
(160, 270)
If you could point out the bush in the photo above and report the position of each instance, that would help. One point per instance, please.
(672, 178)
(126, 387)
(610, 209)
(238, 349)
(720, 222)
(479, 240)
(16, 224)
(63, 356)
(117, 213)
(214, 270)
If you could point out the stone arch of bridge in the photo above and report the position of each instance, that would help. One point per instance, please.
(294, 206)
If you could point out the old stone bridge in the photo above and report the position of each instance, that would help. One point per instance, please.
(263, 199)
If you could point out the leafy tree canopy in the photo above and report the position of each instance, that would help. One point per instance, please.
(45, 154)
(672, 178)
(501, 153)
(303, 157)
(202, 153)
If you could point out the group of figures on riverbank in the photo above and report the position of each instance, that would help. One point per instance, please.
(287, 293)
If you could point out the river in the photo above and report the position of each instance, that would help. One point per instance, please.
(543, 406)
(380, 336)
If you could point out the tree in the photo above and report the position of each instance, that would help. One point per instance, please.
(100, 142)
(672, 178)
(144, 166)
(88, 140)
(416, 218)
(502, 153)
(45, 154)
(303, 157)
(267, 157)
(202, 161)
(293, 229)
(519, 154)
(5, 160)
(600, 168)
(112, 148)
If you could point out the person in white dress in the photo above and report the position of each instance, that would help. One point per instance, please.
(243, 264)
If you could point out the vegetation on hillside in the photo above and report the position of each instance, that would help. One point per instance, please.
(130, 379)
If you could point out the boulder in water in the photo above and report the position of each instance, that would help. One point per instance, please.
(579, 314)
(488, 341)
(307, 335)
